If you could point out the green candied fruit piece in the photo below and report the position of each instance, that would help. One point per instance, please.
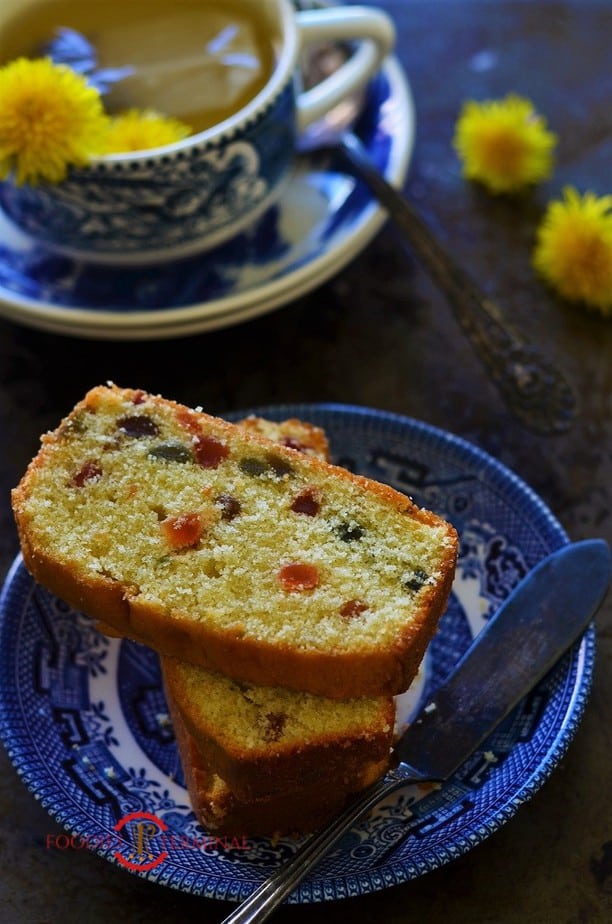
(272, 466)
(417, 580)
(253, 466)
(171, 452)
(279, 467)
(350, 532)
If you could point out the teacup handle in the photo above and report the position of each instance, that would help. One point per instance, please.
(377, 34)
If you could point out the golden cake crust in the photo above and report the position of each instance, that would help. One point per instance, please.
(294, 433)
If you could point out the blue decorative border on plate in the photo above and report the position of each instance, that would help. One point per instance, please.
(83, 717)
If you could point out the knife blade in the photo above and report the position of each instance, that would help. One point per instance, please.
(523, 640)
(536, 624)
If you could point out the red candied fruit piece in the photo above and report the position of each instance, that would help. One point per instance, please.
(299, 576)
(230, 506)
(353, 608)
(275, 725)
(292, 443)
(139, 396)
(307, 502)
(208, 451)
(89, 471)
(138, 426)
(183, 531)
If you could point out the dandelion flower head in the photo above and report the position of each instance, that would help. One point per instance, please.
(504, 144)
(573, 251)
(50, 118)
(139, 130)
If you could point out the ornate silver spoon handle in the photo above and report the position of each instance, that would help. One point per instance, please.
(534, 390)
(261, 903)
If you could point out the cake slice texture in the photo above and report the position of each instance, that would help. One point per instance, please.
(219, 547)
(266, 740)
(288, 811)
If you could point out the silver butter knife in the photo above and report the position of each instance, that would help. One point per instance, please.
(543, 616)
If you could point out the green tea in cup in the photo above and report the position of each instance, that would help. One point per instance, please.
(225, 68)
(196, 61)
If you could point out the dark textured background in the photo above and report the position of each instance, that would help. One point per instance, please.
(380, 335)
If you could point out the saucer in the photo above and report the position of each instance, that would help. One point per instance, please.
(323, 220)
(85, 723)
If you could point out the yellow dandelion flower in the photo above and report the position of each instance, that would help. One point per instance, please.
(139, 130)
(573, 252)
(504, 144)
(50, 118)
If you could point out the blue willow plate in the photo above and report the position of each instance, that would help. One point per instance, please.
(85, 723)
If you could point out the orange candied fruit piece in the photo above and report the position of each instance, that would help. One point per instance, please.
(183, 531)
(299, 576)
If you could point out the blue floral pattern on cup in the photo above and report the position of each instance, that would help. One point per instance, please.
(170, 202)
(116, 207)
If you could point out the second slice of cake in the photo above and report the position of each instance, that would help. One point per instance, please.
(266, 740)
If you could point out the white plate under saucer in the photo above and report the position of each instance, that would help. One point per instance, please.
(323, 220)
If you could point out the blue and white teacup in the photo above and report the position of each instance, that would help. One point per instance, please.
(192, 195)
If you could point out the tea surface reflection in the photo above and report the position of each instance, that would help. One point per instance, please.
(198, 62)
